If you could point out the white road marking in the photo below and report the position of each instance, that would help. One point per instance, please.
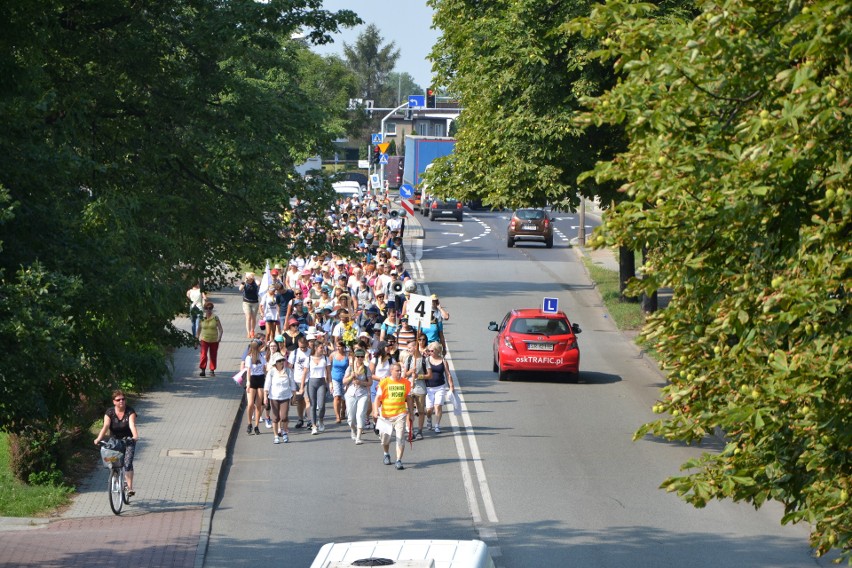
(466, 427)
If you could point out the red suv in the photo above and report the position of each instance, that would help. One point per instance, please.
(530, 224)
(534, 340)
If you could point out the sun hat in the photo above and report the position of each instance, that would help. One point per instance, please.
(276, 357)
(360, 353)
(310, 336)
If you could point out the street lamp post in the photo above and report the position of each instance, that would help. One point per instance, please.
(387, 116)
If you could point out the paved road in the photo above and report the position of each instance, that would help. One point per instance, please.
(544, 472)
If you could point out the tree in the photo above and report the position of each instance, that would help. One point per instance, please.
(737, 174)
(401, 85)
(517, 144)
(141, 147)
(372, 63)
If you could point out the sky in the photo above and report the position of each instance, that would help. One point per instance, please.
(407, 23)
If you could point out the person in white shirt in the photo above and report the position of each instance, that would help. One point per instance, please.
(298, 361)
(278, 389)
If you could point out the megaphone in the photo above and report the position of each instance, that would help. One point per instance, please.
(396, 287)
(410, 286)
(394, 214)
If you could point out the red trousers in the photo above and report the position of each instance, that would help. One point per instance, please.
(213, 348)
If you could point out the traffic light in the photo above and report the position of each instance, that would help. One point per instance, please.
(430, 98)
(377, 152)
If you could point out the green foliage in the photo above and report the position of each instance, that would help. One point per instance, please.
(400, 85)
(520, 78)
(737, 179)
(372, 64)
(142, 147)
(626, 315)
(20, 500)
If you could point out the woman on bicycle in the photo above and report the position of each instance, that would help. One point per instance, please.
(120, 422)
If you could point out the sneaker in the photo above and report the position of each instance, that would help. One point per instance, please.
(309, 424)
(437, 429)
(257, 430)
(203, 373)
(418, 435)
(277, 440)
(387, 459)
(212, 373)
(352, 434)
(428, 422)
(358, 441)
(300, 423)
(314, 431)
(399, 465)
(268, 422)
(321, 427)
(130, 493)
(285, 437)
(248, 429)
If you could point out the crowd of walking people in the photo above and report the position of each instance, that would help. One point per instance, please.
(331, 330)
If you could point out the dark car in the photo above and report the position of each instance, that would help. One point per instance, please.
(445, 208)
(354, 176)
(530, 224)
(531, 340)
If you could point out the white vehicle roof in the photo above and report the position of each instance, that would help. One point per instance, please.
(347, 187)
(407, 553)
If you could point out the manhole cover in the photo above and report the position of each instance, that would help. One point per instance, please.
(187, 453)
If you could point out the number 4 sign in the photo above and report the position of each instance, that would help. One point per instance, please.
(418, 312)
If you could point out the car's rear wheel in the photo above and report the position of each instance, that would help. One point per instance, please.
(494, 365)
(549, 243)
(502, 375)
(572, 377)
(510, 242)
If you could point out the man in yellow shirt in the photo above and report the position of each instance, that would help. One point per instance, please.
(395, 405)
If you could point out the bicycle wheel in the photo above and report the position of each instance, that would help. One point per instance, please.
(116, 501)
(124, 494)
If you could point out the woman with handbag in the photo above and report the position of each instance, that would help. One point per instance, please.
(437, 384)
(210, 333)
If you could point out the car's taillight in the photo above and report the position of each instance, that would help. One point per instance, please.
(571, 344)
(434, 205)
(458, 205)
(507, 341)
(546, 223)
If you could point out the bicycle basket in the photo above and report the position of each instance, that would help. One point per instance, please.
(111, 458)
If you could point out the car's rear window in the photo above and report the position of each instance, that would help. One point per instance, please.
(530, 214)
(542, 326)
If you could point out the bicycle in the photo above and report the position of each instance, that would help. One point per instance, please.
(113, 458)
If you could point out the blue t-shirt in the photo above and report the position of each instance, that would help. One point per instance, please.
(338, 368)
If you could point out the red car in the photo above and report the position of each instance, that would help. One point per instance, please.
(536, 341)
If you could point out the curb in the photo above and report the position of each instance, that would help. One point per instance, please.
(222, 455)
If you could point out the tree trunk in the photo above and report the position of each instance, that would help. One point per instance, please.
(626, 271)
(649, 303)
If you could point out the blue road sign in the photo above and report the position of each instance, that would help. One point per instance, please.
(416, 101)
(406, 191)
(550, 305)
(377, 138)
(383, 159)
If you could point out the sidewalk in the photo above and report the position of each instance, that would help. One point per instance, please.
(184, 429)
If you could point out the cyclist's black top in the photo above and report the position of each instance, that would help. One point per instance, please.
(120, 428)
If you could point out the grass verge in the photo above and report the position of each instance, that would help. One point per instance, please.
(626, 315)
(21, 500)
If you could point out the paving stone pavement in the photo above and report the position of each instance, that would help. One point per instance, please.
(184, 429)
